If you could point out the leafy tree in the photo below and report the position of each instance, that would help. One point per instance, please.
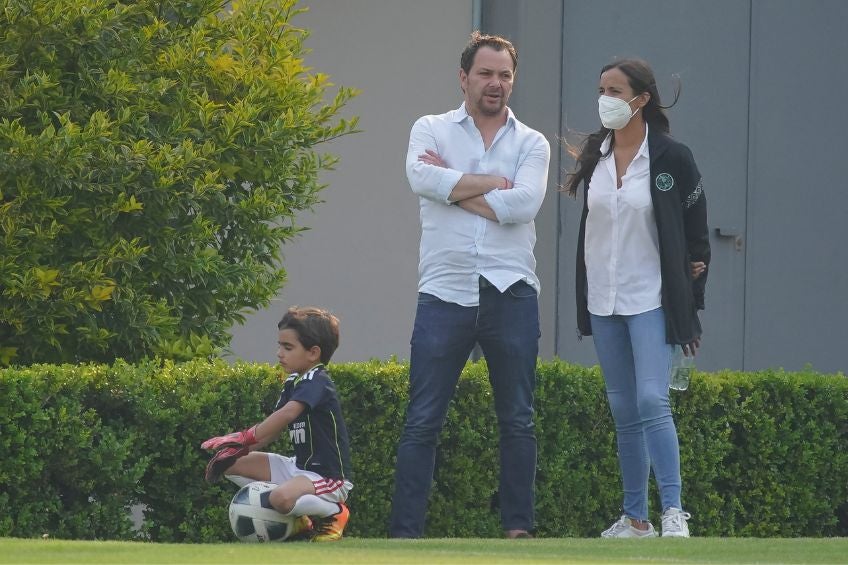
(153, 157)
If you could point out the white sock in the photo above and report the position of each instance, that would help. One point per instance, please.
(311, 505)
(239, 480)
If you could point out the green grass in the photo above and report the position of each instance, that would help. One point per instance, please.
(432, 551)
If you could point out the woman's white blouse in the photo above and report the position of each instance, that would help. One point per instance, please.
(622, 247)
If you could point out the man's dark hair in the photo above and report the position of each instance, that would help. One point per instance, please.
(314, 326)
(478, 40)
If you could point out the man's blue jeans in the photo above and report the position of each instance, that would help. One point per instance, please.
(506, 325)
(636, 363)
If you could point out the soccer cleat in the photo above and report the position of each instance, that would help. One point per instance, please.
(302, 529)
(332, 527)
(674, 523)
(624, 528)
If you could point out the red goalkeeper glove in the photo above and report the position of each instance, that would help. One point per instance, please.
(244, 438)
(222, 461)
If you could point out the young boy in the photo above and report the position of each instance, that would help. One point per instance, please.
(316, 481)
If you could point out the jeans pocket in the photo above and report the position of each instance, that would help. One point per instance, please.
(521, 290)
(424, 299)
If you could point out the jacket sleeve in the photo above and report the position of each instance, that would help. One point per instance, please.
(694, 203)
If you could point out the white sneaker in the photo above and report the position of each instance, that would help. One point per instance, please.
(624, 529)
(674, 523)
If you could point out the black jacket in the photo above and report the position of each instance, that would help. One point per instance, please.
(680, 209)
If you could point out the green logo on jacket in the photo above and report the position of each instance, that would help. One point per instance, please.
(664, 181)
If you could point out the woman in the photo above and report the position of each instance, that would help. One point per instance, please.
(642, 254)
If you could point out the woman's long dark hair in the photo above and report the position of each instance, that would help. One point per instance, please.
(641, 79)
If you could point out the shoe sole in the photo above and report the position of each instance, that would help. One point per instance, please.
(630, 537)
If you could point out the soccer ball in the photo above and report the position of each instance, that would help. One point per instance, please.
(252, 517)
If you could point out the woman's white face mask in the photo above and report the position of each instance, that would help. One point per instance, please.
(614, 112)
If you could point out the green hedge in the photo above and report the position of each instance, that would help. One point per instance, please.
(763, 454)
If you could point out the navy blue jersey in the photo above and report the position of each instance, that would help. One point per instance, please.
(319, 434)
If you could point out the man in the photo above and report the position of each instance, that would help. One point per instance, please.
(480, 175)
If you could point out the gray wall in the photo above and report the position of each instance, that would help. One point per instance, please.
(705, 45)
(761, 108)
(360, 256)
(797, 252)
(536, 102)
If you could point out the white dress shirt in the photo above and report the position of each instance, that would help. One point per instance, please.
(622, 246)
(457, 247)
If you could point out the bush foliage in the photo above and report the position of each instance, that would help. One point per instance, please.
(763, 454)
(153, 156)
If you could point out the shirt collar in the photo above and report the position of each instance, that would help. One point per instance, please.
(643, 149)
(298, 376)
(313, 368)
(461, 114)
(606, 143)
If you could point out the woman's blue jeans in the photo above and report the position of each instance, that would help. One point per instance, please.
(636, 362)
(506, 325)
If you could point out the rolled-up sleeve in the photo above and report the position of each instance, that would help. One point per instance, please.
(429, 181)
(521, 203)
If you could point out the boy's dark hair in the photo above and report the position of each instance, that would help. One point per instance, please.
(478, 40)
(314, 326)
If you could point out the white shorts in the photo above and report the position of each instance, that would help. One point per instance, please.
(284, 468)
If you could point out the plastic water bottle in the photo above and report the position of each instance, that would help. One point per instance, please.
(681, 369)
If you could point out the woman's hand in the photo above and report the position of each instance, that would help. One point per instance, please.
(689, 349)
(698, 267)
